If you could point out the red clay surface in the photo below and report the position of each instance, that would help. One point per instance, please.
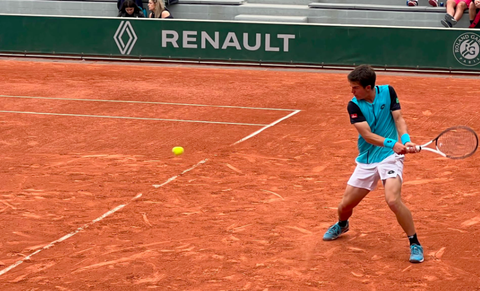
(253, 215)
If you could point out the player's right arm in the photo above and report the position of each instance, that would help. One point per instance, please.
(361, 125)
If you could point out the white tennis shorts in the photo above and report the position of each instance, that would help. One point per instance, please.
(366, 176)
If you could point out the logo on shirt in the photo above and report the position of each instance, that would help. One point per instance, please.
(354, 115)
(466, 49)
(398, 101)
(383, 106)
(391, 172)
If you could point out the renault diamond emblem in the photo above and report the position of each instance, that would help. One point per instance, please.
(125, 27)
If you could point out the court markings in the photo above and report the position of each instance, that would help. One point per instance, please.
(267, 126)
(144, 102)
(119, 207)
(128, 117)
(138, 102)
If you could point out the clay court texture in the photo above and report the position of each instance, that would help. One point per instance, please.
(92, 197)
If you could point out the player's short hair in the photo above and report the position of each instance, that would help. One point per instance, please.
(364, 75)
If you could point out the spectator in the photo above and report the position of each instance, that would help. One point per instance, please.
(130, 9)
(474, 13)
(434, 3)
(158, 10)
(455, 11)
(138, 2)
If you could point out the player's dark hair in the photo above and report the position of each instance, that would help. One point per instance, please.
(364, 75)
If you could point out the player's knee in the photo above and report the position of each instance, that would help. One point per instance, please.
(394, 203)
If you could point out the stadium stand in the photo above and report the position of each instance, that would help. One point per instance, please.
(352, 12)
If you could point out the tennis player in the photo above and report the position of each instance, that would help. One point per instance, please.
(375, 113)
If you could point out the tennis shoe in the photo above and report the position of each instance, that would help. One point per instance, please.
(335, 231)
(416, 253)
(412, 3)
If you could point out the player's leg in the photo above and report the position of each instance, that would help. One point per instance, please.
(393, 198)
(351, 198)
(391, 172)
(393, 188)
(363, 180)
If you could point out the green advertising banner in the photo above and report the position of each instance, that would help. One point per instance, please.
(392, 47)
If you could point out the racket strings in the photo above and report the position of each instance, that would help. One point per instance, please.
(457, 142)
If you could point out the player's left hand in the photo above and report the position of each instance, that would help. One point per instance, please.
(411, 147)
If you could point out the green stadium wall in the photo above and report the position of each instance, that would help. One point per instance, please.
(302, 44)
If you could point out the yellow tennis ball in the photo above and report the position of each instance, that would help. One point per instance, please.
(177, 151)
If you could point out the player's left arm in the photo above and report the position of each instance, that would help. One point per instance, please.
(400, 122)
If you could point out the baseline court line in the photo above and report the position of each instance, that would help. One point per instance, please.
(145, 102)
(127, 117)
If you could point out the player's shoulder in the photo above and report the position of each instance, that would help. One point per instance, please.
(384, 88)
(386, 91)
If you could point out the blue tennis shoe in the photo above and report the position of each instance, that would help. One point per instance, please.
(416, 253)
(335, 231)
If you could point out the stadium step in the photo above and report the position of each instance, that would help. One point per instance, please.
(271, 18)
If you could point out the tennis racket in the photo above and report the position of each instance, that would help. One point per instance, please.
(458, 142)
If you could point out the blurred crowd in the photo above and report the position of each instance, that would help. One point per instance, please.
(455, 11)
(134, 8)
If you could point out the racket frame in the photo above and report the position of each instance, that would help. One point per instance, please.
(424, 146)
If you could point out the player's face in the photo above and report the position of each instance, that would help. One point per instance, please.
(359, 91)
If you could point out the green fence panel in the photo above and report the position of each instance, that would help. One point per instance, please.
(392, 47)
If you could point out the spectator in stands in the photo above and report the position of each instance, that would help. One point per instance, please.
(474, 13)
(130, 9)
(455, 11)
(434, 3)
(158, 10)
(138, 2)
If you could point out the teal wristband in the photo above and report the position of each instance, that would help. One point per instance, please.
(405, 138)
(389, 143)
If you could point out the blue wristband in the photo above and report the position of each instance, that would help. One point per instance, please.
(405, 138)
(389, 143)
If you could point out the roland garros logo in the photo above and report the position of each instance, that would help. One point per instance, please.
(125, 32)
(466, 49)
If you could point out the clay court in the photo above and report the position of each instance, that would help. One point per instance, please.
(92, 197)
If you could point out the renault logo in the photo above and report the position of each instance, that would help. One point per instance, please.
(125, 27)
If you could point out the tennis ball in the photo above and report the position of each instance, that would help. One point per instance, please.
(177, 151)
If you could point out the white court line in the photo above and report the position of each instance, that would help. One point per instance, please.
(144, 102)
(16, 264)
(267, 126)
(127, 117)
(65, 237)
(175, 177)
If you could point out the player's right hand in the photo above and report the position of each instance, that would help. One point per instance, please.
(399, 148)
(411, 148)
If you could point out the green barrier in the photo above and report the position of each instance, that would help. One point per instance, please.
(408, 48)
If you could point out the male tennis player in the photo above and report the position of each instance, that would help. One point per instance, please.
(375, 113)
